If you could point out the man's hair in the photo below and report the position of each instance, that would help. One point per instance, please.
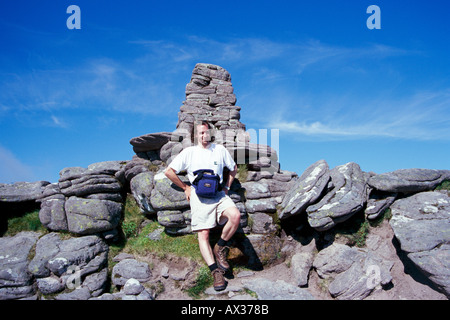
(203, 123)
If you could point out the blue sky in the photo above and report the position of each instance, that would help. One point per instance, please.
(334, 89)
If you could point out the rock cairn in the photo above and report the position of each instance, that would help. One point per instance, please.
(261, 185)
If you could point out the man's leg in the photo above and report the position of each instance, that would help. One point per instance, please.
(205, 247)
(221, 248)
(207, 254)
(234, 218)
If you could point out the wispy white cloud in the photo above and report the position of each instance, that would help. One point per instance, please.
(424, 116)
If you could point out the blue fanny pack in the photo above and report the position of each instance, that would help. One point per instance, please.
(206, 183)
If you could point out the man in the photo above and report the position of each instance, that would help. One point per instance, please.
(207, 212)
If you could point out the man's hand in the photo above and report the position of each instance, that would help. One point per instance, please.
(170, 173)
(187, 192)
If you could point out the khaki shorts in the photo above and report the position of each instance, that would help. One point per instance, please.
(207, 212)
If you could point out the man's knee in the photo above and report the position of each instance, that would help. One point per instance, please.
(203, 235)
(233, 215)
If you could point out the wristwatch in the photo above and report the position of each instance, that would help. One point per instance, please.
(226, 188)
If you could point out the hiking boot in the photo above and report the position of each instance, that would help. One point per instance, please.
(221, 254)
(219, 281)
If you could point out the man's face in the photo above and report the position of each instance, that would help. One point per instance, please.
(203, 135)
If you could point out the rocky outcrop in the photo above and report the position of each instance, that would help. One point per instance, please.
(22, 191)
(85, 200)
(409, 180)
(421, 224)
(305, 190)
(15, 280)
(347, 195)
(58, 267)
(354, 273)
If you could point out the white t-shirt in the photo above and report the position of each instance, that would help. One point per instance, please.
(214, 157)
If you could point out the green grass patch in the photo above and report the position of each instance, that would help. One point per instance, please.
(134, 237)
(444, 185)
(28, 222)
(203, 281)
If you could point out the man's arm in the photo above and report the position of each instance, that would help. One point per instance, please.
(230, 179)
(172, 176)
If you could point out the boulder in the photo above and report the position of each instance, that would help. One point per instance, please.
(305, 190)
(276, 290)
(149, 142)
(301, 264)
(262, 223)
(256, 190)
(409, 180)
(15, 280)
(141, 187)
(130, 268)
(22, 191)
(166, 195)
(268, 205)
(89, 216)
(53, 214)
(75, 264)
(174, 218)
(378, 202)
(347, 196)
(85, 200)
(421, 223)
(355, 273)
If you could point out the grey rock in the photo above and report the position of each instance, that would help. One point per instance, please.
(174, 218)
(15, 280)
(166, 195)
(67, 262)
(276, 290)
(81, 293)
(96, 282)
(135, 166)
(355, 273)
(130, 268)
(301, 264)
(421, 224)
(89, 184)
(268, 205)
(132, 287)
(89, 216)
(306, 189)
(149, 142)
(377, 203)
(22, 191)
(46, 248)
(256, 190)
(50, 285)
(409, 180)
(105, 167)
(53, 214)
(261, 249)
(262, 223)
(335, 259)
(348, 196)
(141, 187)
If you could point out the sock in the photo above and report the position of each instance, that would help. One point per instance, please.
(222, 242)
(213, 267)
